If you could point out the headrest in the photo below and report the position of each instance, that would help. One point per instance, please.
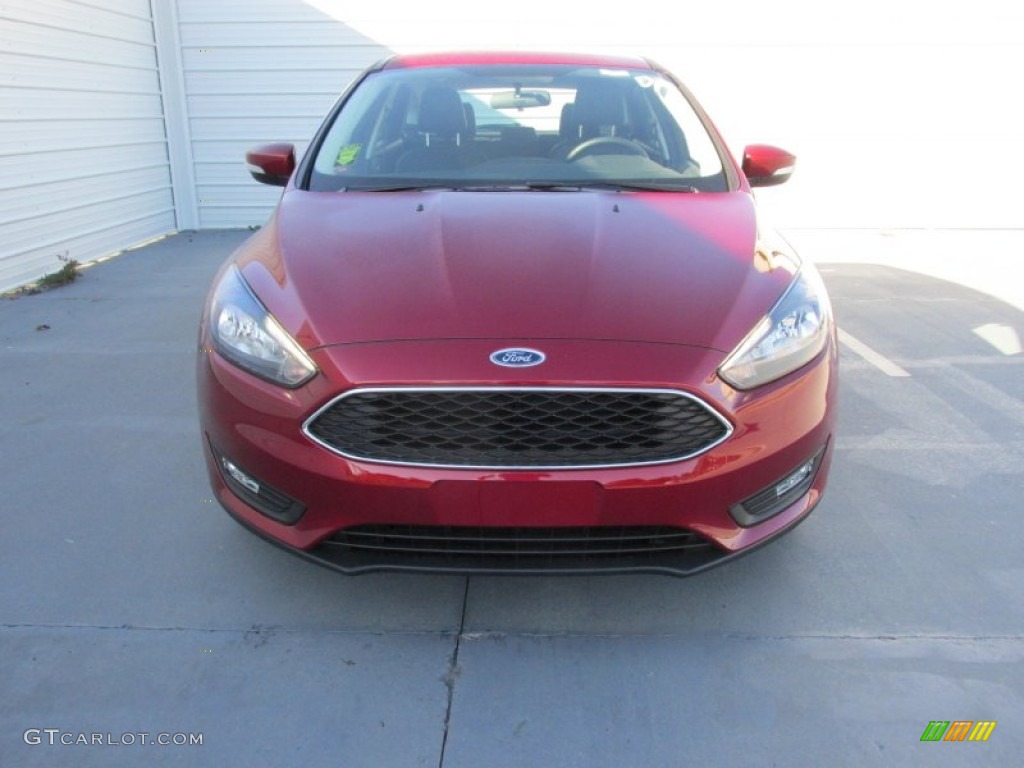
(441, 112)
(600, 102)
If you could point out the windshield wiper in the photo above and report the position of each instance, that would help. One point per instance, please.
(397, 188)
(512, 187)
(632, 186)
(530, 186)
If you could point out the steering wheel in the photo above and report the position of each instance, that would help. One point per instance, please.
(605, 143)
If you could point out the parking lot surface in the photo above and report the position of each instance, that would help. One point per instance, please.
(130, 603)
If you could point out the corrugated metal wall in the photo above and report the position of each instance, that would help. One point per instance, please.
(83, 155)
(258, 71)
(91, 107)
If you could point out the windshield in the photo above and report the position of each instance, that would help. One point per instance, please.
(511, 126)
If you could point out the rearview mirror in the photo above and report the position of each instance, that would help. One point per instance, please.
(520, 99)
(271, 163)
(766, 166)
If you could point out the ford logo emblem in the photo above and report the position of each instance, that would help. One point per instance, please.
(517, 358)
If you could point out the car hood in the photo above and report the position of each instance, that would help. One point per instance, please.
(674, 268)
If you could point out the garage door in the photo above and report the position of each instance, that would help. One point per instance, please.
(83, 150)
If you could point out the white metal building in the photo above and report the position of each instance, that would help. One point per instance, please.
(83, 150)
(122, 120)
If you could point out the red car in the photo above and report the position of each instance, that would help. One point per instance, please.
(515, 313)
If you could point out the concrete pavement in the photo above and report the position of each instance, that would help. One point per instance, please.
(130, 603)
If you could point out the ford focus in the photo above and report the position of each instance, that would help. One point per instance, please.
(515, 313)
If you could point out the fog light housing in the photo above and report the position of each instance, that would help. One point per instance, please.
(258, 495)
(795, 479)
(769, 501)
(240, 476)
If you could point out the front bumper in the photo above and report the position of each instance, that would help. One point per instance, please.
(258, 427)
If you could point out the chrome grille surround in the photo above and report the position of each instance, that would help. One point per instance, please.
(677, 398)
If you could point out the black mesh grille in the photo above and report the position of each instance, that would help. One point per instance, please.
(518, 428)
(520, 542)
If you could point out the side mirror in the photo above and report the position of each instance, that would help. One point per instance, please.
(766, 166)
(271, 163)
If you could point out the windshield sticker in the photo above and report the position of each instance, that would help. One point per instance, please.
(348, 154)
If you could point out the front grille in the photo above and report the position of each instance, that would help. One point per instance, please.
(493, 428)
(520, 542)
(459, 549)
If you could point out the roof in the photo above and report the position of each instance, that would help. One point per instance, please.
(462, 58)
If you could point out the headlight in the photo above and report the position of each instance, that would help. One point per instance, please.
(245, 333)
(789, 336)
